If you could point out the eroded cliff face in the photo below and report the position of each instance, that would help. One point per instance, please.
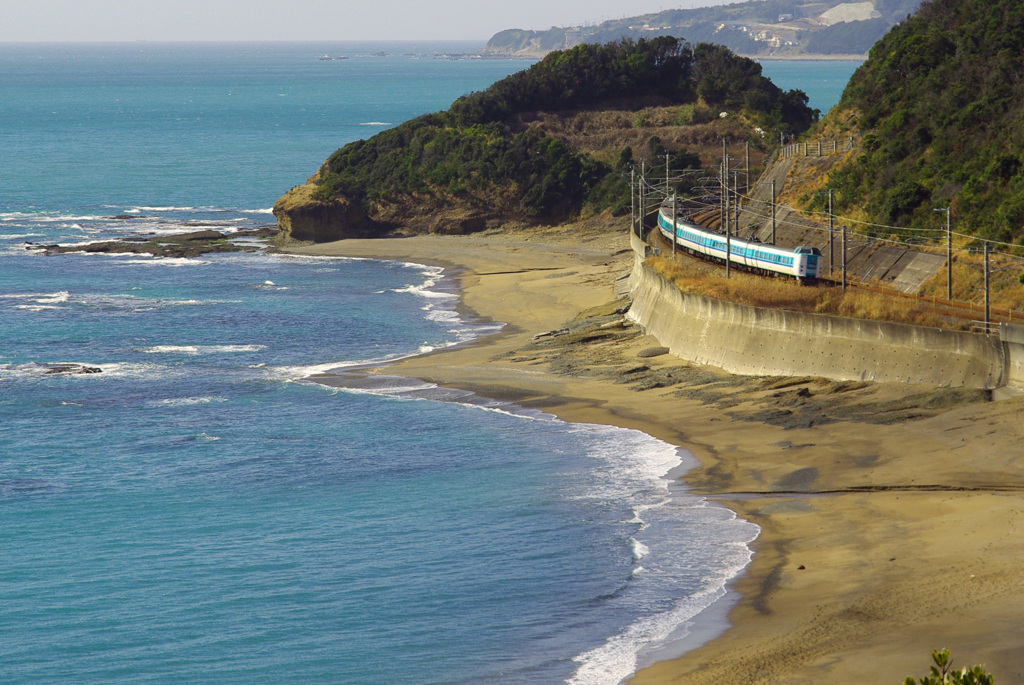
(300, 216)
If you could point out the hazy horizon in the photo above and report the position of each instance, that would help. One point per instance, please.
(103, 21)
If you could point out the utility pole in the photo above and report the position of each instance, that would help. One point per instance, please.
(673, 225)
(736, 193)
(667, 156)
(746, 181)
(640, 189)
(773, 211)
(725, 191)
(987, 310)
(721, 200)
(728, 254)
(949, 254)
(632, 199)
(949, 258)
(831, 244)
(844, 260)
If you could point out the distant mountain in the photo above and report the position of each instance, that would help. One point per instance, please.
(940, 102)
(759, 28)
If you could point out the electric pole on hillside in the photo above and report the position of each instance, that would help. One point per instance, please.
(728, 255)
(721, 196)
(673, 225)
(773, 211)
(831, 242)
(949, 254)
(667, 157)
(987, 310)
(844, 260)
(736, 192)
(632, 199)
(725, 193)
(640, 190)
(746, 180)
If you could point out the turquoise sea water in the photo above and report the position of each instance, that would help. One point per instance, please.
(198, 511)
(822, 80)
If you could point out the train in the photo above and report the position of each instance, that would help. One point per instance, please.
(804, 263)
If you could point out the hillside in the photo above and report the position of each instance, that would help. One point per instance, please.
(940, 102)
(758, 28)
(545, 145)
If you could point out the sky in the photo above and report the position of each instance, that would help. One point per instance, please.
(290, 20)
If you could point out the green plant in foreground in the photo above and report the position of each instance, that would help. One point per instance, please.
(943, 673)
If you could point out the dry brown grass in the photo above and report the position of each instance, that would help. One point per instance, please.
(605, 133)
(691, 276)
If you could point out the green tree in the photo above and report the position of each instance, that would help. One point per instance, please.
(943, 673)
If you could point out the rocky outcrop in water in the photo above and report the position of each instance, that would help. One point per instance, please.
(180, 245)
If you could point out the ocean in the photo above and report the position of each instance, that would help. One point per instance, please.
(198, 510)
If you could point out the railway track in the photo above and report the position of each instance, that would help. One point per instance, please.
(952, 309)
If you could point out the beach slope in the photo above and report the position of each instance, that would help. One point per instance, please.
(892, 516)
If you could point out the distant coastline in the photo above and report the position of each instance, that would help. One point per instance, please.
(534, 56)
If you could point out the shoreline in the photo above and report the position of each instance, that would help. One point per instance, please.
(912, 549)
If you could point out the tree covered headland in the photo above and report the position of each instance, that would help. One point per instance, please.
(941, 103)
(483, 153)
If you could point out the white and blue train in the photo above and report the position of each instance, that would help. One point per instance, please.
(805, 263)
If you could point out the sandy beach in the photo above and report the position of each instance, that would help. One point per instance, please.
(880, 541)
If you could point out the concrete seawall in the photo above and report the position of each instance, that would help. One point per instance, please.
(760, 341)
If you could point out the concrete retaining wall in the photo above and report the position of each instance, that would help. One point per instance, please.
(1012, 336)
(759, 341)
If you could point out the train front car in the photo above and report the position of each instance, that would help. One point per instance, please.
(809, 263)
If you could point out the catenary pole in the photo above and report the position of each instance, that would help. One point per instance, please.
(721, 199)
(673, 225)
(632, 199)
(746, 180)
(831, 243)
(725, 190)
(949, 257)
(844, 260)
(640, 189)
(949, 252)
(987, 310)
(736, 204)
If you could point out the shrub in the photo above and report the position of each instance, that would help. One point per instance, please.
(943, 673)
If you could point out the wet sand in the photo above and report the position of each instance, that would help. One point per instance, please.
(892, 516)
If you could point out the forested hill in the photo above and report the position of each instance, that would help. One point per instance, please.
(490, 157)
(941, 101)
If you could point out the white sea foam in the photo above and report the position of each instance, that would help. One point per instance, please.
(37, 301)
(35, 307)
(47, 217)
(640, 550)
(375, 123)
(616, 660)
(54, 298)
(175, 262)
(186, 401)
(298, 373)
(199, 349)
